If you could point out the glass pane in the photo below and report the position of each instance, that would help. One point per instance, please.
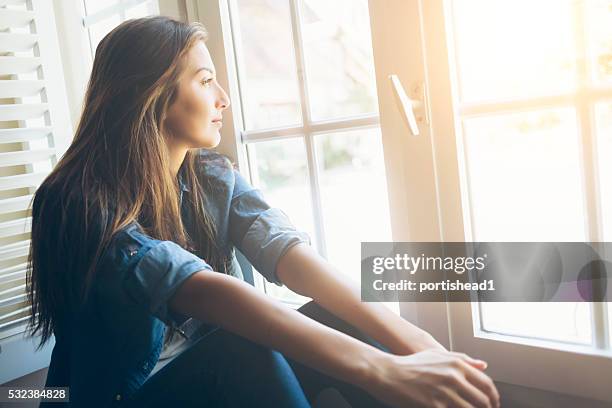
(524, 177)
(603, 122)
(280, 171)
(338, 53)
(600, 32)
(93, 6)
(603, 126)
(266, 64)
(515, 48)
(353, 194)
(99, 30)
(524, 185)
(568, 322)
(148, 8)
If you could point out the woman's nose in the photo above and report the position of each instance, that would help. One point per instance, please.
(223, 102)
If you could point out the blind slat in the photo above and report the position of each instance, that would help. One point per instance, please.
(14, 250)
(22, 310)
(15, 18)
(13, 300)
(22, 111)
(17, 42)
(14, 327)
(16, 227)
(16, 281)
(18, 65)
(12, 273)
(12, 295)
(20, 88)
(22, 180)
(15, 204)
(24, 134)
(25, 156)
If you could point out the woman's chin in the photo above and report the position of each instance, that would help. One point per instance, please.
(210, 142)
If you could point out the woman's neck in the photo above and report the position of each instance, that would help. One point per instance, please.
(177, 156)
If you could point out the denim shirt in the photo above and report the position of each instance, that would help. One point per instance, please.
(113, 343)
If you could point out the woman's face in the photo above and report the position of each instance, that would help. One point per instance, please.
(194, 118)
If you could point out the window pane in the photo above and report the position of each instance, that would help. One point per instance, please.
(524, 185)
(93, 6)
(338, 53)
(99, 30)
(514, 48)
(280, 171)
(266, 64)
(148, 8)
(524, 177)
(569, 322)
(600, 30)
(354, 195)
(603, 121)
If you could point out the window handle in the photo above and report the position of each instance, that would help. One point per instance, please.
(408, 105)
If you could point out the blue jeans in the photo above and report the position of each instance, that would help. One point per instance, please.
(225, 370)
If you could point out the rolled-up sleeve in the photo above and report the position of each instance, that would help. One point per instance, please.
(262, 233)
(156, 271)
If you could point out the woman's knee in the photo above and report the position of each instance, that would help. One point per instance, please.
(238, 356)
(259, 370)
(236, 371)
(245, 352)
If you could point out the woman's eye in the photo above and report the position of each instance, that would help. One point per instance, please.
(207, 81)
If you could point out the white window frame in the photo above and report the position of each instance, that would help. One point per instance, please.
(433, 174)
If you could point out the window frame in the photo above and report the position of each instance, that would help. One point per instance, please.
(547, 365)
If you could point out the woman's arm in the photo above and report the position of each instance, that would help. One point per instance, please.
(304, 271)
(429, 377)
(239, 308)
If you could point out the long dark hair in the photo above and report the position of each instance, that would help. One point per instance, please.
(116, 171)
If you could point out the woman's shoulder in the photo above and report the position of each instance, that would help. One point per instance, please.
(210, 161)
(215, 169)
(219, 171)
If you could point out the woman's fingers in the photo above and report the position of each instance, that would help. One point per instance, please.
(483, 383)
(480, 364)
(475, 396)
(455, 399)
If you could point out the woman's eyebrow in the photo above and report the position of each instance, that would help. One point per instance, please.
(205, 69)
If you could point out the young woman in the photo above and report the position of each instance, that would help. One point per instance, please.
(134, 232)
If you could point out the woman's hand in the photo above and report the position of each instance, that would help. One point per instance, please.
(433, 378)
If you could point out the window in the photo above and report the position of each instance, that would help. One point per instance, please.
(515, 119)
(310, 121)
(535, 64)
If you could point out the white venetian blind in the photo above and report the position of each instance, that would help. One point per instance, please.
(34, 131)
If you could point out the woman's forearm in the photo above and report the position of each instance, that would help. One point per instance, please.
(305, 272)
(238, 307)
